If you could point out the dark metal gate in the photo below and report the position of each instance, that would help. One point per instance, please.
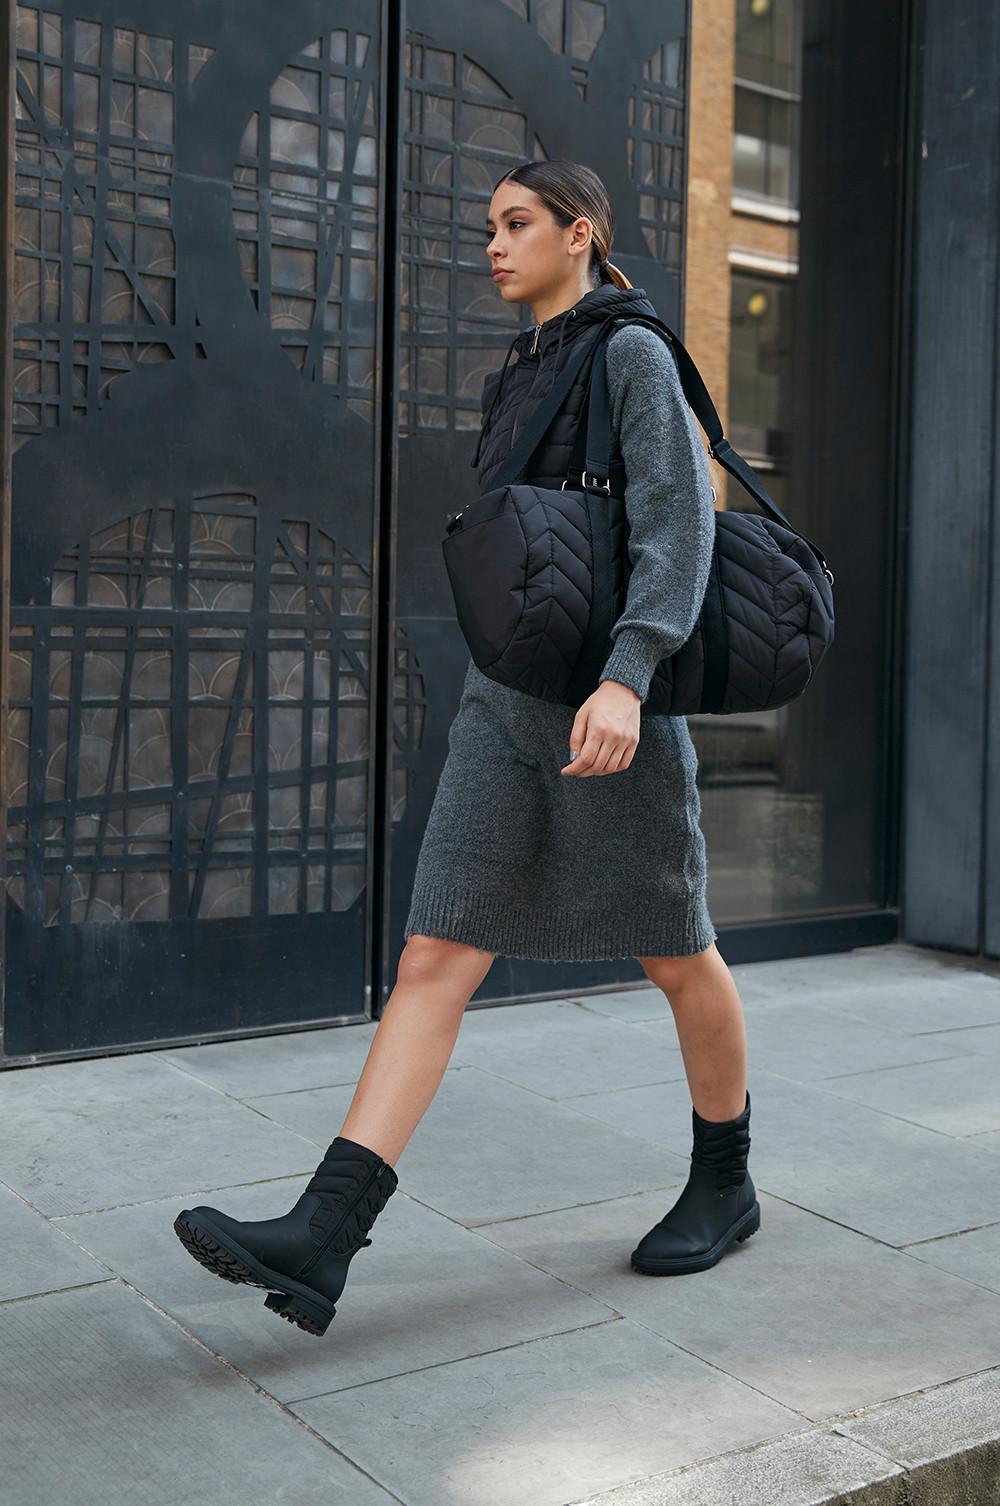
(251, 320)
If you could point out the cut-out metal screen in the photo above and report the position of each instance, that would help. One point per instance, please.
(222, 431)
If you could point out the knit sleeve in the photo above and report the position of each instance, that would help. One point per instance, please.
(668, 505)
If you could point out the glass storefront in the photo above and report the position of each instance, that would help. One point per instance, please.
(796, 800)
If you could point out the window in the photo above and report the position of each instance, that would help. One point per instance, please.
(767, 102)
(760, 370)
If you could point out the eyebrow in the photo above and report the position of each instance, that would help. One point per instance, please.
(506, 213)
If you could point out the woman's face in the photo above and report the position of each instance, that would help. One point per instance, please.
(534, 252)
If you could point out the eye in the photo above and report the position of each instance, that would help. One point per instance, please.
(490, 233)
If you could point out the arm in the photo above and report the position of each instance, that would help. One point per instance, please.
(668, 504)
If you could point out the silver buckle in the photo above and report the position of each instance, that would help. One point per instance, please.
(601, 484)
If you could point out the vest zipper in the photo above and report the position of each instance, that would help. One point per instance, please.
(531, 352)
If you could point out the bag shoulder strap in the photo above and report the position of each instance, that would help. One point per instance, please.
(531, 436)
(598, 439)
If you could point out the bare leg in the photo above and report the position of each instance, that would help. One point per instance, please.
(708, 1015)
(413, 1042)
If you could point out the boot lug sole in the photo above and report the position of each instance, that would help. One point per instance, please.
(223, 1257)
(741, 1230)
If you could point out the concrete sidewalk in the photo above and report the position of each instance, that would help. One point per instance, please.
(493, 1347)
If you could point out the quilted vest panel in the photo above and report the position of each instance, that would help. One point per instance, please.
(513, 392)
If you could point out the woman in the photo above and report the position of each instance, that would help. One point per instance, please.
(555, 833)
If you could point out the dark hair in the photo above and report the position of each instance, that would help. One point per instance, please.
(569, 190)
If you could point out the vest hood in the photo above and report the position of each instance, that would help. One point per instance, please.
(606, 301)
(600, 303)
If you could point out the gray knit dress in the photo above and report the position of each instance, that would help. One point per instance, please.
(523, 861)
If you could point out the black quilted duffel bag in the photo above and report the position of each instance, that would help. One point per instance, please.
(766, 619)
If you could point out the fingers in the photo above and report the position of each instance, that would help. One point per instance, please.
(623, 760)
(602, 757)
(606, 759)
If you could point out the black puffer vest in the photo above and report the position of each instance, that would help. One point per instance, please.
(510, 397)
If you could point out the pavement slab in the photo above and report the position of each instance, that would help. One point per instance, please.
(493, 1345)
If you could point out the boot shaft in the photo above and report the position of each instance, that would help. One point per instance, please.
(723, 1146)
(350, 1187)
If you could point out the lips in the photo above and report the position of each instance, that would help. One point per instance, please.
(501, 272)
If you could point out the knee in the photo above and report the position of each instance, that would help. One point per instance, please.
(675, 974)
(425, 959)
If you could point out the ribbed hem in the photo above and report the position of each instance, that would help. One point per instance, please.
(541, 934)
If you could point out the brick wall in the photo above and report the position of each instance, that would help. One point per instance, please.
(709, 195)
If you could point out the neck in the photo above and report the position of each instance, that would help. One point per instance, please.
(557, 302)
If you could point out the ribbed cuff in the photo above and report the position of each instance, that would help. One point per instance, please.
(632, 661)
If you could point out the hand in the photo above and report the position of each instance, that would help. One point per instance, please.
(605, 731)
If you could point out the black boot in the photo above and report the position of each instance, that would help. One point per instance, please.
(301, 1259)
(717, 1205)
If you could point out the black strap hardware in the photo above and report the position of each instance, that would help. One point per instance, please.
(591, 455)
